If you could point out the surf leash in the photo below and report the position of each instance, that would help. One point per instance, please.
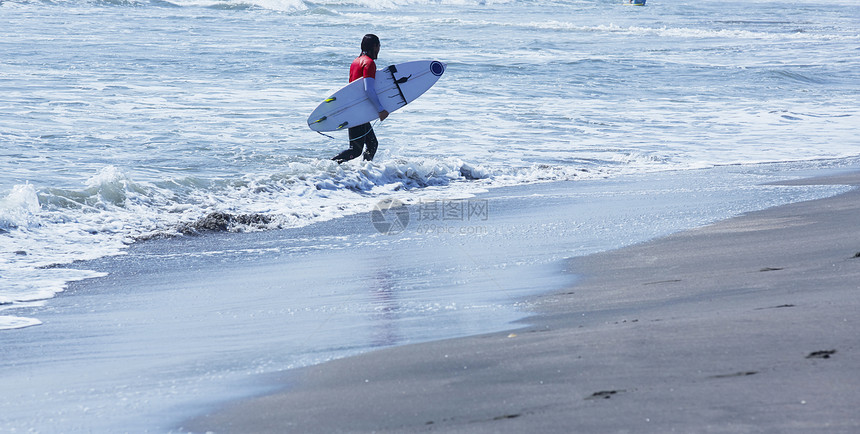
(357, 138)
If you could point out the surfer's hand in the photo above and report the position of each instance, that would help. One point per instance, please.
(382, 115)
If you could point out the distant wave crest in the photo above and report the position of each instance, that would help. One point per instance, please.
(274, 5)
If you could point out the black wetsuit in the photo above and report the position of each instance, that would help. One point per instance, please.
(360, 137)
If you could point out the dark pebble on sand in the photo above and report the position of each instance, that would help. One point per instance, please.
(821, 354)
(604, 394)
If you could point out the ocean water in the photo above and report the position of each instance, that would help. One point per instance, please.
(125, 120)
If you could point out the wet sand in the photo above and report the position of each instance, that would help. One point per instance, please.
(747, 325)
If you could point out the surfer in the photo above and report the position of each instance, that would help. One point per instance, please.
(364, 66)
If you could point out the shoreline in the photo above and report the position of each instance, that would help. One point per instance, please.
(746, 325)
(181, 327)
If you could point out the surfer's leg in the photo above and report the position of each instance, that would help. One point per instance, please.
(370, 144)
(356, 144)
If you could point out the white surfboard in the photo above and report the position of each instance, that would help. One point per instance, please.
(396, 86)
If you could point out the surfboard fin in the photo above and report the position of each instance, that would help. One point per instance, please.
(397, 81)
(342, 125)
(332, 99)
(320, 119)
(401, 80)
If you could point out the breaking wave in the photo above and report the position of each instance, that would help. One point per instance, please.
(47, 228)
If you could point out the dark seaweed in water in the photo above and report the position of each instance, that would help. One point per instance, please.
(223, 222)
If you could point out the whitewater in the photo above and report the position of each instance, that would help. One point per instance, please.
(123, 121)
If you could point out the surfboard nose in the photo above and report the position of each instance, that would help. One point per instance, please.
(437, 68)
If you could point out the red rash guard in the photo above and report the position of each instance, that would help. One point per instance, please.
(362, 66)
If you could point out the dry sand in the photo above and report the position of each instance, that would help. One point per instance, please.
(748, 325)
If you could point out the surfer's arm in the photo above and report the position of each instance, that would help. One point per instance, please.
(370, 90)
